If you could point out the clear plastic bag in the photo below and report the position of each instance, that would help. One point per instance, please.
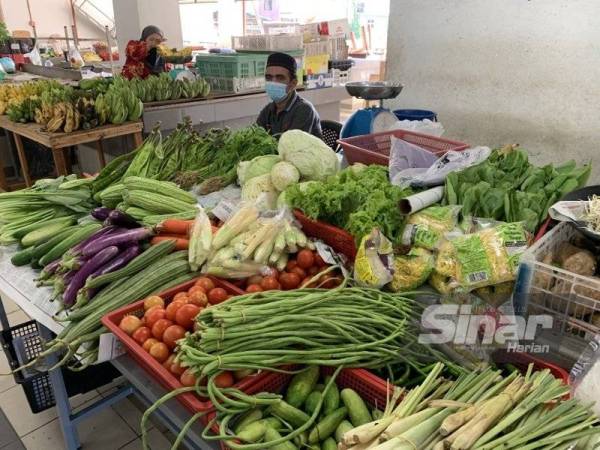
(426, 228)
(374, 263)
(424, 126)
(585, 374)
(200, 240)
(434, 173)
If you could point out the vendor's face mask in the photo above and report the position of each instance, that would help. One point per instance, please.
(276, 91)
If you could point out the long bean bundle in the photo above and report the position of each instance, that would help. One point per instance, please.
(342, 327)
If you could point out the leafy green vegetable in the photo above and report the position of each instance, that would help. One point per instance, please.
(508, 188)
(356, 201)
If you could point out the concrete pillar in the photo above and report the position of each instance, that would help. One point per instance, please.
(131, 16)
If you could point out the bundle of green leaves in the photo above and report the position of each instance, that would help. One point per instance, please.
(507, 187)
(357, 199)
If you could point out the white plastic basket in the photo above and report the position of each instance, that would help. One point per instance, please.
(268, 42)
(542, 288)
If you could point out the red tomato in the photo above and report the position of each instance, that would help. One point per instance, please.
(153, 300)
(172, 309)
(290, 265)
(224, 380)
(180, 296)
(254, 279)
(176, 369)
(305, 258)
(130, 323)
(186, 314)
(141, 335)
(159, 327)
(270, 283)
(170, 360)
(153, 315)
(298, 271)
(149, 343)
(253, 288)
(188, 378)
(194, 289)
(159, 351)
(198, 298)
(205, 283)
(271, 272)
(172, 334)
(289, 281)
(217, 295)
(319, 261)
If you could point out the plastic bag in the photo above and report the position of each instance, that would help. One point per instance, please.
(424, 126)
(373, 266)
(473, 261)
(34, 56)
(404, 155)
(75, 58)
(426, 228)
(8, 65)
(585, 374)
(412, 270)
(435, 173)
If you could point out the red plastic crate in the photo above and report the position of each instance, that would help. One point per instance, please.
(373, 390)
(189, 399)
(522, 360)
(375, 148)
(339, 240)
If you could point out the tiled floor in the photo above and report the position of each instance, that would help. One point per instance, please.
(114, 428)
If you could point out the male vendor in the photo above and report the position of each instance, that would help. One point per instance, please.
(287, 110)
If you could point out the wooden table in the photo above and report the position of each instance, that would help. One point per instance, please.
(59, 142)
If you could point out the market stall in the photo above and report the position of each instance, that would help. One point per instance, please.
(264, 296)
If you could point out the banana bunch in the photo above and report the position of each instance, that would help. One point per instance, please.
(102, 109)
(196, 88)
(116, 105)
(163, 87)
(134, 105)
(65, 117)
(163, 50)
(23, 111)
(87, 111)
(13, 94)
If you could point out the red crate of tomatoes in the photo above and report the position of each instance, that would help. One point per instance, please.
(150, 328)
(302, 270)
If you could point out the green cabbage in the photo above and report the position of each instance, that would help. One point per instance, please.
(260, 165)
(314, 159)
(254, 189)
(284, 174)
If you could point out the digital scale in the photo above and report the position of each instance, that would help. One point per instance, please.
(374, 119)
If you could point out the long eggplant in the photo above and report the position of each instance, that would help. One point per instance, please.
(84, 295)
(101, 213)
(121, 219)
(116, 239)
(48, 271)
(103, 256)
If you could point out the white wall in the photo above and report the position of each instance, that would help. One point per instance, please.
(50, 16)
(501, 71)
(131, 16)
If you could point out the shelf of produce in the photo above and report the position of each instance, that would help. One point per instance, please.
(172, 414)
(17, 284)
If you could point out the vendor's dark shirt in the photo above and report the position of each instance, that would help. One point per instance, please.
(299, 114)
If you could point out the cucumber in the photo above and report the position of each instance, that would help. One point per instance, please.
(274, 423)
(301, 386)
(57, 251)
(342, 429)
(251, 416)
(357, 410)
(329, 444)
(327, 426)
(46, 232)
(22, 257)
(19, 233)
(288, 413)
(41, 249)
(253, 432)
(312, 401)
(319, 387)
(331, 400)
(301, 441)
(272, 435)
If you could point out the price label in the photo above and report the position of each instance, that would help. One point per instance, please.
(223, 210)
(110, 348)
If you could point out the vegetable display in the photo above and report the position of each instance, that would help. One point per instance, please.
(507, 187)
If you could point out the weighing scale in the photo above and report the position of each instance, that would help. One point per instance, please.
(179, 71)
(376, 118)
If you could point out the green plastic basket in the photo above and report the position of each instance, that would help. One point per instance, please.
(241, 65)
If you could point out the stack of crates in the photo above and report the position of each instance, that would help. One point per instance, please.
(233, 73)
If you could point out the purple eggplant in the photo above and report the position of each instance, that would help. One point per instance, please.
(101, 213)
(49, 270)
(121, 219)
(121, 260)
(97, 235)
(103, 256)
(122, 238)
